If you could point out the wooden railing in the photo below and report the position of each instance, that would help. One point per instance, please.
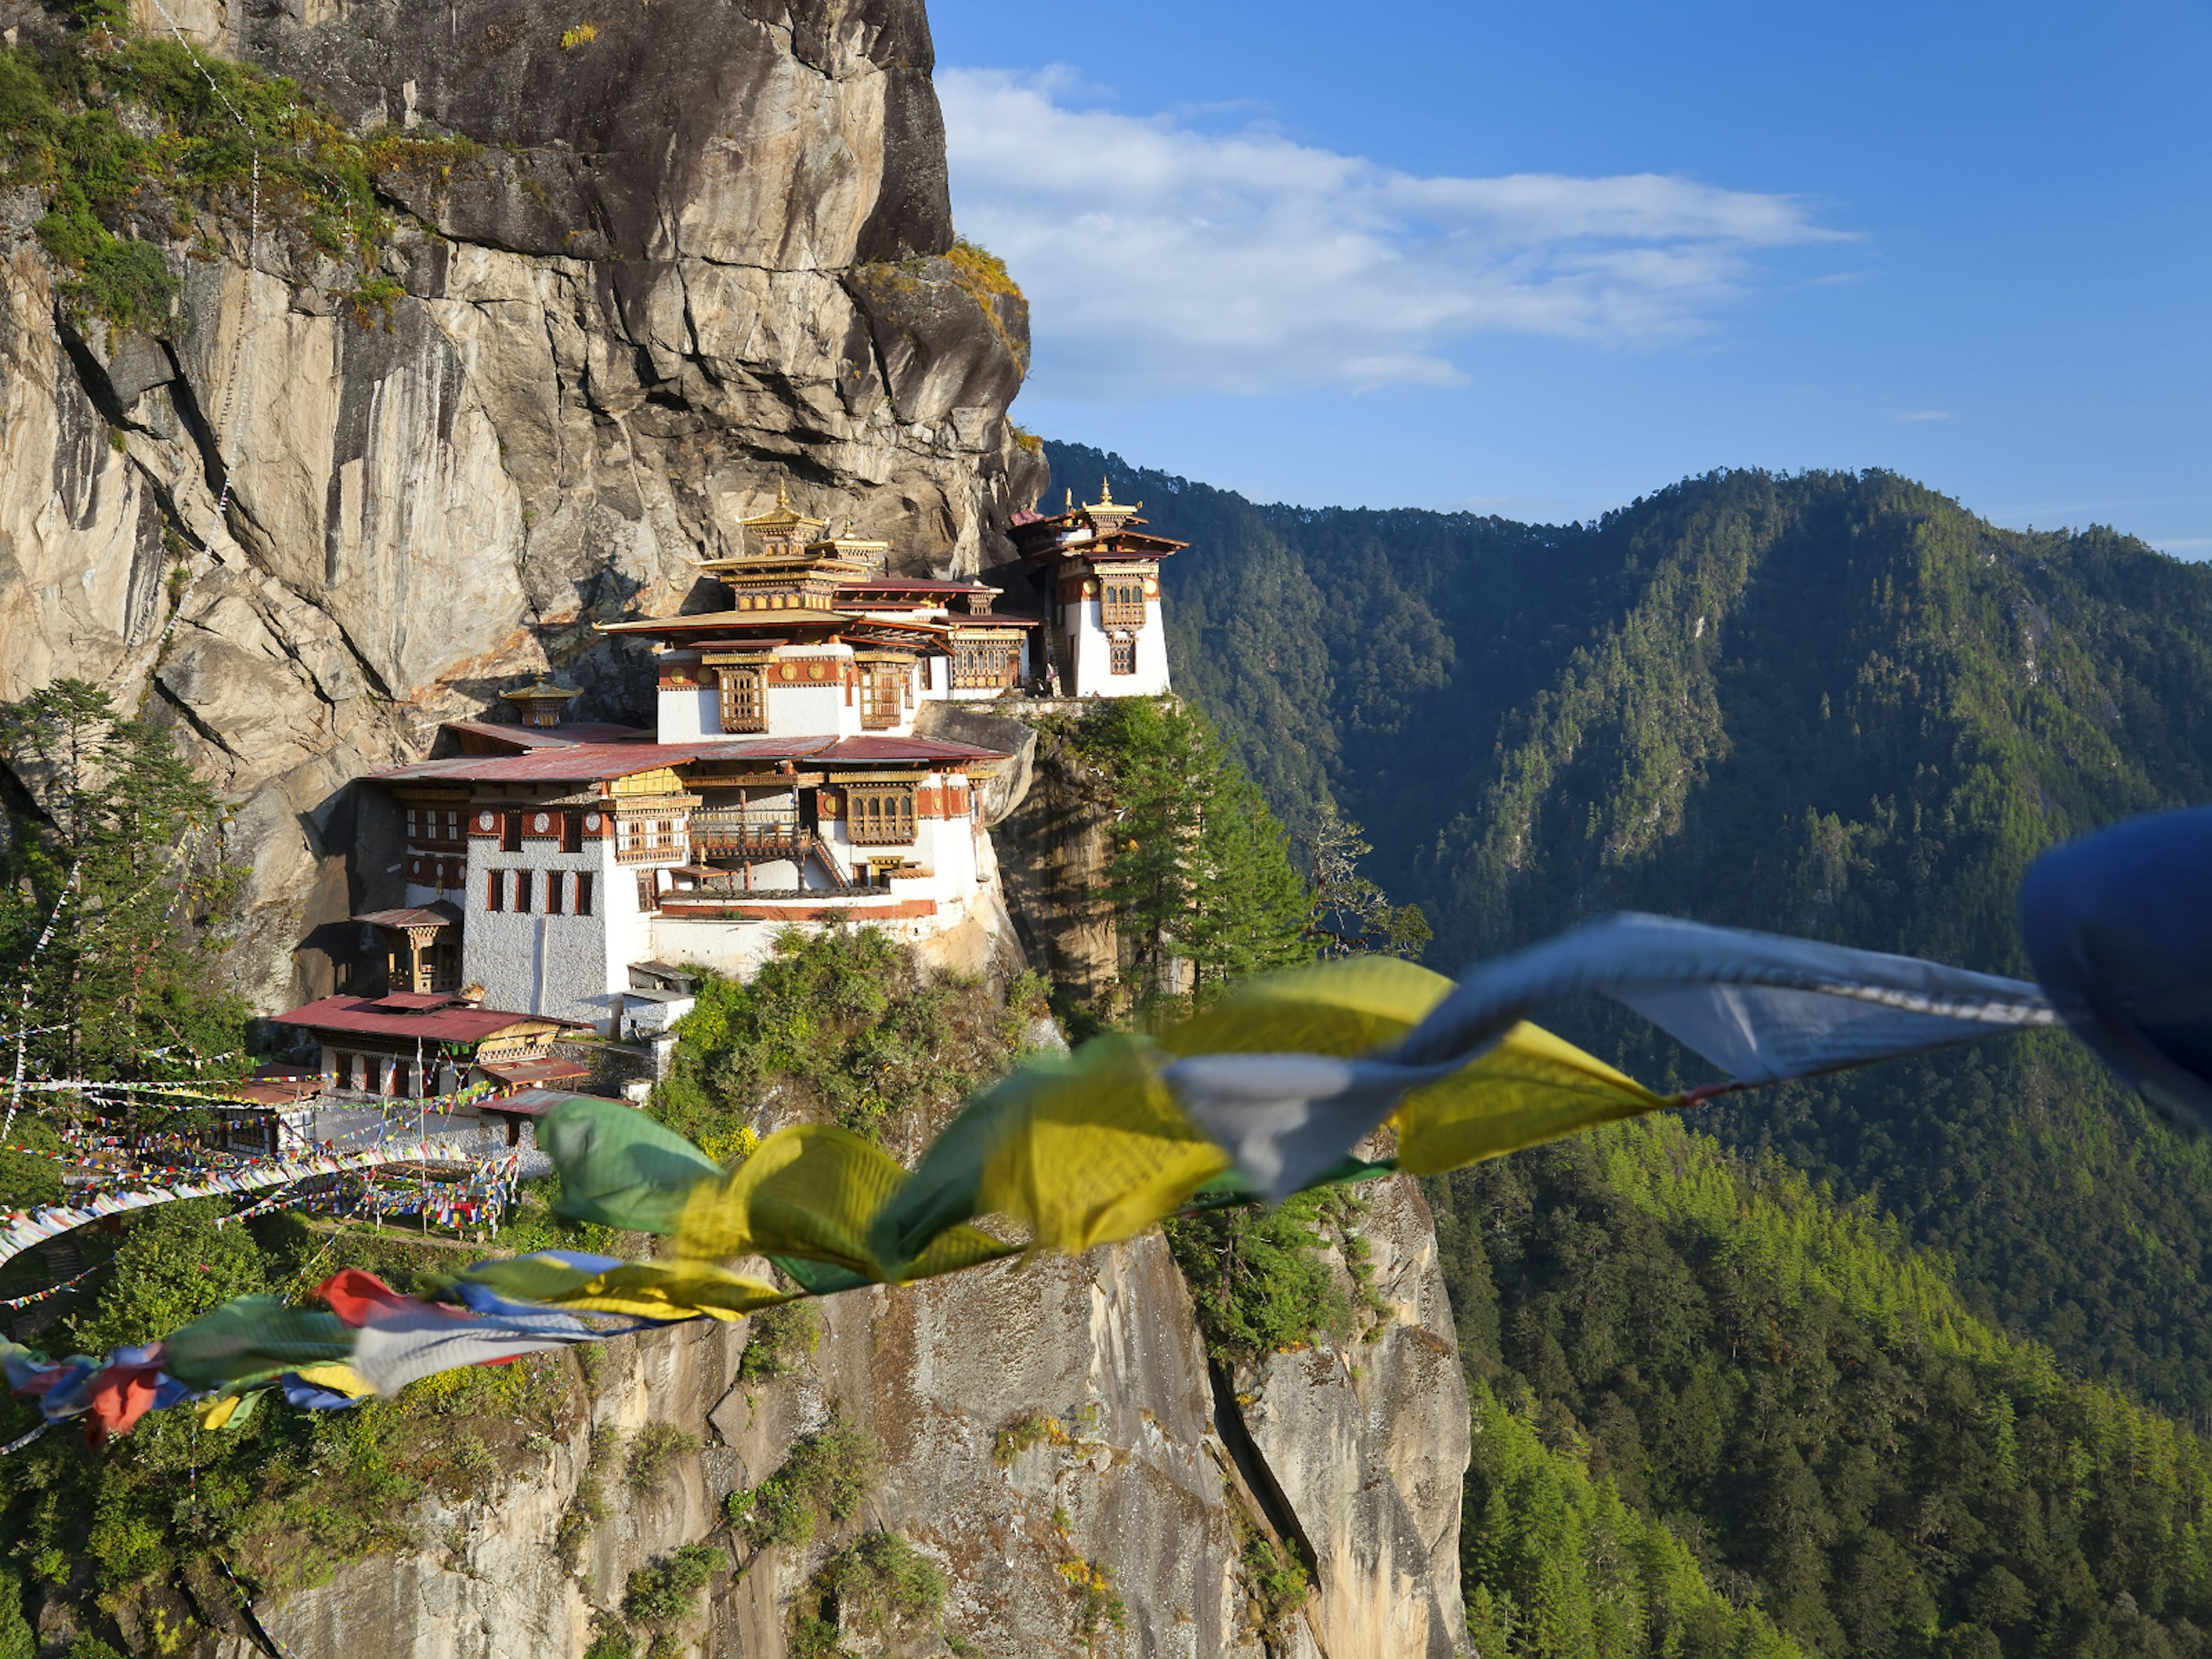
(750, 829)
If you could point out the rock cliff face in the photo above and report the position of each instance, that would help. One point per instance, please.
(698, 255)
(1121, 1464)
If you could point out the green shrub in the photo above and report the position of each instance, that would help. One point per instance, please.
(778, 1339)
(846, 1026)
(881, 1579)
(1260, 1282)
(212, 121)
(175, 1265)
(827, 1476)
(657, 1447)
(665, 1593)
(589, 1505)
(1272, 1574)
(17, 1639)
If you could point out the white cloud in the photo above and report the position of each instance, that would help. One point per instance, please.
(1916, 416)
(1157, 258)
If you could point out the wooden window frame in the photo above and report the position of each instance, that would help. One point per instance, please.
(510, 832)
(883, 695)
(649, 892)
(1122, 601)
(554, 893)
(879, 814)
(985, 664)
(572, 832)
(583, 893)
(1121, 656)
(745, 699)
(522, 894)
(494, 889)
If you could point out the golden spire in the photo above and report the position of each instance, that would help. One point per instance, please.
(1105, 491)
(782, 497)
(1071, 499)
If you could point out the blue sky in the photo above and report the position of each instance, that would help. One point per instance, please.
(1541, 258)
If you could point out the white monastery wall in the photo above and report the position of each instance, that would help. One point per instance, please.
(565, 966)
(805, 707)
(733, 948)
(1092, 648)
(688, 713)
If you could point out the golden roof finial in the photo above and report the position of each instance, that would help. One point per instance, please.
(1105, 491)
(782, 496)
(1071, 499)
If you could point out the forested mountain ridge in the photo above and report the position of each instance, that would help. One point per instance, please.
(1655, 1329)
(1834, 704)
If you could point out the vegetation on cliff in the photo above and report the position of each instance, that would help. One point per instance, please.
(139, 145)
(1202, 887)
(138, 1535)
(844, 1025)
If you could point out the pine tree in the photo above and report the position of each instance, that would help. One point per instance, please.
(1201, 873)
(112, 880)
(1351, 916)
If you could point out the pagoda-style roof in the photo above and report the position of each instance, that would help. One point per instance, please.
(443, 913)
(1103, 530)
(782, 522)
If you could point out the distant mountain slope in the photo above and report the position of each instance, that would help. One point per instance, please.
(1803, 1405)
(1834, 704)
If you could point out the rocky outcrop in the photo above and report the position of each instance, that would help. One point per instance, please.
(1054, 846)
(1045, 1430)
(694, 255)
(1367, 1443)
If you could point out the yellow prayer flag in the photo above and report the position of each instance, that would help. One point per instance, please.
(1530, 1088)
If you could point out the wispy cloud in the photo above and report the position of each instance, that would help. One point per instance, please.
(1157, 258)
(1916, 416)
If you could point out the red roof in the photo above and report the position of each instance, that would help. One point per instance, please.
(541, 737)
(535, 1102)
(869, 751)
(525, 1073)
(915, 584)
(273, 1094)
(697, 621)
(368, 1017)
(579, 763)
